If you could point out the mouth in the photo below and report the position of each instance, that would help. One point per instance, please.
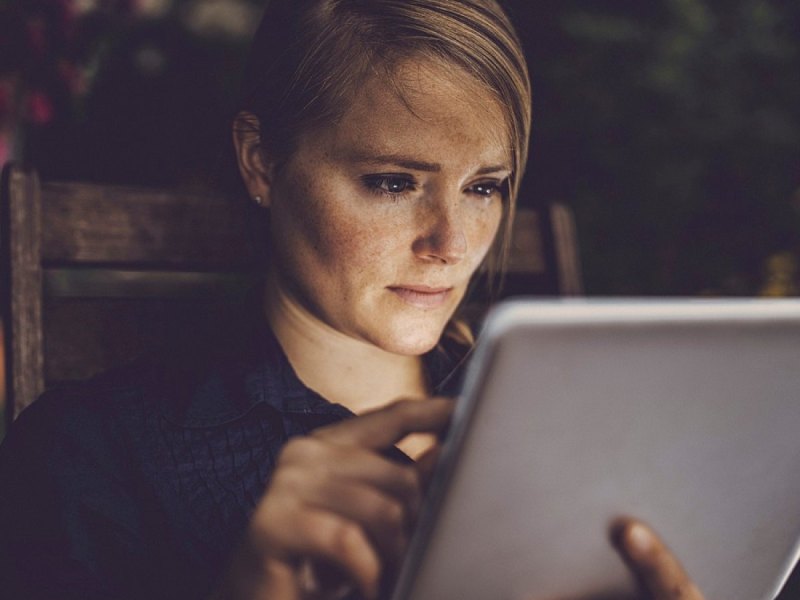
(422, 296)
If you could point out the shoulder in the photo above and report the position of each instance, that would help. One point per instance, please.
(146, 469)
(63, 475)
(79, 409)
(72, 439)
(113, 482)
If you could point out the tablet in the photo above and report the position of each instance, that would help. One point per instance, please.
(685, 414)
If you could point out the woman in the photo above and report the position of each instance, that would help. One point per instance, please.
(384, 141)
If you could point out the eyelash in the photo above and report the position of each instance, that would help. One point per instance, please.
(380, 184)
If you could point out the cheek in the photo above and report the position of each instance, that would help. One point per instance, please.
(351, 240)
(349, 247)
(329, 237)
(484, 230)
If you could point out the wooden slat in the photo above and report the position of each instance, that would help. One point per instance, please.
(116, 283)
(565, 238)
(22, 227)
(90, 223)
(527, 253)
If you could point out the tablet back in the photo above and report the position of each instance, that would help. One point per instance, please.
(684, 414)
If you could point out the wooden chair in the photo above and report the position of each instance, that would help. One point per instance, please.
(94, 273)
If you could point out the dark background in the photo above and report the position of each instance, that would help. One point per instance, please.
(671, 127)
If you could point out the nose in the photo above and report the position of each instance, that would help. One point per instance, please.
(444, 238)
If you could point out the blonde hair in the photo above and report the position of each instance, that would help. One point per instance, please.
(310, 56)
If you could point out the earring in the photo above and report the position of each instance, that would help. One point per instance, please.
(258, 200)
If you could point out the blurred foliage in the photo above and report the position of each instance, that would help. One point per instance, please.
(157, 80)
(672, 127)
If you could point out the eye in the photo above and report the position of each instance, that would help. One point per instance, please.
(391, 185)
(487, 189)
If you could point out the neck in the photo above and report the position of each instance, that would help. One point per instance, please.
(342, 369)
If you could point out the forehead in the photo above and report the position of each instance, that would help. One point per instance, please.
(435, 111)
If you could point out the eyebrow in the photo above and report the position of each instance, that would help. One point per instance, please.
(415, 165)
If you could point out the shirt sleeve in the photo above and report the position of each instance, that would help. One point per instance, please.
(70, 525)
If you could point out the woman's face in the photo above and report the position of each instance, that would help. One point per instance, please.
(380, 219)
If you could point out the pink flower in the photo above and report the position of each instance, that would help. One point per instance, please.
(40, 108)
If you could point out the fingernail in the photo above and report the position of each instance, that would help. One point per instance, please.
(639, 538)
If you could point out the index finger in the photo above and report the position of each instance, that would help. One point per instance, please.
(381, 429)
(655, 566)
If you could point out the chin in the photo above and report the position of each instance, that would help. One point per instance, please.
(411, 339)
(411, 347)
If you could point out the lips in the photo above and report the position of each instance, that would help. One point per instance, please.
(422, 296)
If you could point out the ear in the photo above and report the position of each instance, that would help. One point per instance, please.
(254, 165)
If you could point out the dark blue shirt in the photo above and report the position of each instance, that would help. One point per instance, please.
(139, 483)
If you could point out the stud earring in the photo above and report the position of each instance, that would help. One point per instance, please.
(259, 200)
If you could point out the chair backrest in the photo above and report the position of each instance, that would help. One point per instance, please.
(94, 273)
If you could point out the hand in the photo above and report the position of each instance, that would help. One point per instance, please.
(335, 500)
(659, 573)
